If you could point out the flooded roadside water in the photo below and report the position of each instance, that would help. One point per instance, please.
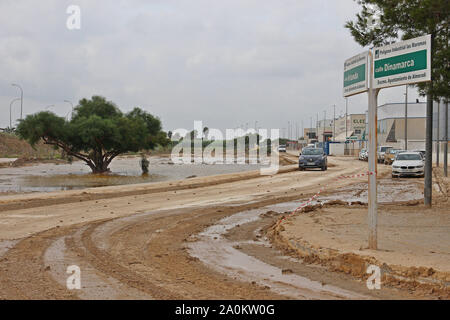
(223, 255)
(389, 190)
(46, 177)
(213, 247)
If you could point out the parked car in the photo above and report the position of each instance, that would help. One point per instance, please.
(282, 148)
(408, 164)
(363, 155)
(389, 156)
(421, 151)
(313, 158)
(381, 151)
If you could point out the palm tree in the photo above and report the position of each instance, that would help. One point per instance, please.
(205, 132)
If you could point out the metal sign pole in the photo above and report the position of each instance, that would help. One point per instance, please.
(372, 201)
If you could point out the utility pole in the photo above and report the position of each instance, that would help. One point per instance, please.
(438, 134)
(10, 111)
(446, 125)
(289, 131)
(324, 123)
(317, 127)
(311, 126)
(406, 117)
(428, 152)
(302, 133)
(71, 104)
(446, 140)
(334, 123)
(21, 99)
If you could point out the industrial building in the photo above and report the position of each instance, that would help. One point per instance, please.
(391, 124)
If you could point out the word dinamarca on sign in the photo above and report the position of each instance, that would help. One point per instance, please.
(397, 66)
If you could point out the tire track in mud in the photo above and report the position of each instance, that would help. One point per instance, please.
(23, 273)
(151, 250)
(141, 261)
(140, 256)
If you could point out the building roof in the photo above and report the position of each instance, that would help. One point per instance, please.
(397, 110)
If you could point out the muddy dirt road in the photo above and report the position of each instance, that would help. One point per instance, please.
(201, 238)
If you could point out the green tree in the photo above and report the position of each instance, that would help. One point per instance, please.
(97, 133)
(406, 19)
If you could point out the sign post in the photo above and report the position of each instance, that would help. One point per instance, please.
(372, 160)
(397, 64)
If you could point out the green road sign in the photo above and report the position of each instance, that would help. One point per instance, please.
(355, 75)
(401, 63)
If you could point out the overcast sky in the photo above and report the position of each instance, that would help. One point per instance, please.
(225, 62)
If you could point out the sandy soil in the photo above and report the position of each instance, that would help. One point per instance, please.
(414, 241)
(138, 242)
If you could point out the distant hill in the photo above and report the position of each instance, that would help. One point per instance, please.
(13, 147)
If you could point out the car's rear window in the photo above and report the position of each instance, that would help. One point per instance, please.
(312, 152)
(408, 156)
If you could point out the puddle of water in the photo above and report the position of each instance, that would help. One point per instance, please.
(388, 191)
(215, 250)
(46, 177)
(5, 245)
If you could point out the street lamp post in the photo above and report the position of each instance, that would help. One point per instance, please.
(334, 123)
(70, 102)
(21, 99)
(10, 111)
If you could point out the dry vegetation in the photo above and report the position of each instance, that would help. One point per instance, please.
(13, 147)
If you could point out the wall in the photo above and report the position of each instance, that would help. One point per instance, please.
(337, 149)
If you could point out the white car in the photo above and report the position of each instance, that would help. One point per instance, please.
(408, 164)
(282, 148)
(363, 154)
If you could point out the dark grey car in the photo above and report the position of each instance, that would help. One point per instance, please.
(313, 158)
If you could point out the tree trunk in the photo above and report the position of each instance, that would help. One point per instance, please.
(96, 160)
(98, 163)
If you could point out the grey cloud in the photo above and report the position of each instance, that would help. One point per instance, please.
(223, 62)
